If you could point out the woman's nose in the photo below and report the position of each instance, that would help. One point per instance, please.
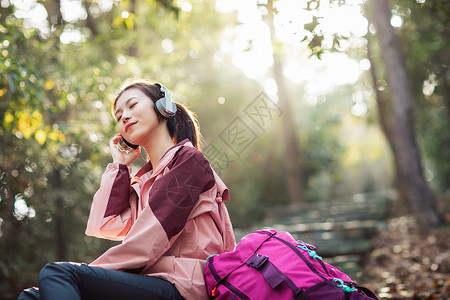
(126, 116)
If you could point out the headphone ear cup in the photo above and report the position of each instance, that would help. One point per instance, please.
(164, 111)
(157, 110)
(164, 106)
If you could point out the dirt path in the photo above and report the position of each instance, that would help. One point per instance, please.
(409, 263)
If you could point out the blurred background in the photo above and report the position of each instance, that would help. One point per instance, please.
(329, 119)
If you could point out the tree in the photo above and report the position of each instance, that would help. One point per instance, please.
(407, 154)
(292, 161)
(396, 104)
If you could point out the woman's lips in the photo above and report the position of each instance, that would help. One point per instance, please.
(129, 126)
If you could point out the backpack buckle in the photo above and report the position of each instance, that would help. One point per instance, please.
(256, 261)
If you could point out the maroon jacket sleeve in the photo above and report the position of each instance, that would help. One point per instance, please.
(174, 195)
(111, 215)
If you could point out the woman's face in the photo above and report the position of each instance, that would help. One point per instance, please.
(136, 117)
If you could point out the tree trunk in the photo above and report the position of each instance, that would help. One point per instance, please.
(386, 121)
(60, 234)
(90, 20)
(292, 166)
(133, 49)
(417, 191)
(54, 15)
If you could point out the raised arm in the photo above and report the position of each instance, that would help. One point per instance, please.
(112, 212)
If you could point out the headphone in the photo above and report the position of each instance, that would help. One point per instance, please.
(164, 106)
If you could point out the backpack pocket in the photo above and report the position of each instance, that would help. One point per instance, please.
(324, 290)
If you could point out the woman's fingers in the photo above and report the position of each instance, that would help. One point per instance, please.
(119, 156)
(115, 139)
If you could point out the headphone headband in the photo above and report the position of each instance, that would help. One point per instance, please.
(164, 106)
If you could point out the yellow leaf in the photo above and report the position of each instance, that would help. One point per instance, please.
(23, 124)
(49, 84)
(37, 115)
(40, 136)
(8, 118)
(54, 135)
(129, 23)
(27, 132)
(62, 138)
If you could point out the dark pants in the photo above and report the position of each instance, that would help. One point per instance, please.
(70, 281)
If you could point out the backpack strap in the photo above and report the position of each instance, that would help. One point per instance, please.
(273, 276)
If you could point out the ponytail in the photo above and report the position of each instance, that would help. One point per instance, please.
(184, 126)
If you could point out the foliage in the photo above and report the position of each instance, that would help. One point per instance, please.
(49, 165)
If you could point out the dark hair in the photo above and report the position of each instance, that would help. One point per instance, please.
(183, 126)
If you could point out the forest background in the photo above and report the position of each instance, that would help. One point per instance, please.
(298, 101)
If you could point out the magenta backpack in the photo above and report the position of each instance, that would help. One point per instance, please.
(267, 264)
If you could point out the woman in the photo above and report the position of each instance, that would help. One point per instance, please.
(169, 216)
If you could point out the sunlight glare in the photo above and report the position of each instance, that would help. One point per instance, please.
(93, 137)
(290, 20)
(359, 109)
(321, 76)
(270, 87)
(105, 5)
(345, 20)
(429, 85)
(72, 10)
(186, 6)
(71, 36)
(396, 21)
(20, 207)
(298, 70)
(34, 14)
(121, 59)
(340, 68)
(252, 49)
(226, 6)
(364, 64)
(167, 45)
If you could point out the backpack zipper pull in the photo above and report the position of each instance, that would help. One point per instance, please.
(346, 288)
(213, 292)
(311, 253)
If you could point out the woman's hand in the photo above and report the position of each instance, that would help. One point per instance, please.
(122, 157)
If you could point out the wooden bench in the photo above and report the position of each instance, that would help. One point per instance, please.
(341, 230)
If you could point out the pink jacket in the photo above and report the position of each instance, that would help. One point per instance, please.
(169, 219)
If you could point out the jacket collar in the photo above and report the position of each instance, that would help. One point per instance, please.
(165, 159)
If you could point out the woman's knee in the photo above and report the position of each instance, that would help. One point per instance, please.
(50, 269)
(55, 269)
(30, 294)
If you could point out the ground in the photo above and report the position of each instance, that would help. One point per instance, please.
(408, 262)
